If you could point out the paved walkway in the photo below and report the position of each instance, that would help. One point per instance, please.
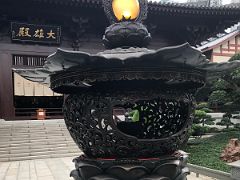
(46, 169)
(39, 169)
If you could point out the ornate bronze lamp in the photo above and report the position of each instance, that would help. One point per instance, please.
(104, 89)
(126, 27)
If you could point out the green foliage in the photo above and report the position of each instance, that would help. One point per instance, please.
(226, 90)
(198, 130)
(219, 97)
(220, 84)
(200, 113)
(235, 75)
(235, 57)
(226, 120)
(230, 129)
(228, 115)
(202, 105)
(202, 117)
(207, 110)
(237, 126)
(236, 116)
(213, 130)
(207, 152)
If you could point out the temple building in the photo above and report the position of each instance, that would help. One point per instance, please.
(235, 2)
(205, 2)
(222, 47)
(31, 30)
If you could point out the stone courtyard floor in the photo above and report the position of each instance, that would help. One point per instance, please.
(47, 169)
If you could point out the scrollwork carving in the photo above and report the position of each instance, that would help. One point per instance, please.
(89, 119)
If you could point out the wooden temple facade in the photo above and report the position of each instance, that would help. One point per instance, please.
(223, 48)
(31, 30)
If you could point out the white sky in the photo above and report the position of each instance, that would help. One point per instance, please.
(224, 1)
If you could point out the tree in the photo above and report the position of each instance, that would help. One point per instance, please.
(226, 89)
(226, 120)
(204, 107)
(202, 117)
(218, 97)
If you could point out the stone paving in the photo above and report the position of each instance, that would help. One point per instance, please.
(47, 169)
(39, 169)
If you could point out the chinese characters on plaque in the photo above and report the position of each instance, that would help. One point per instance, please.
(36, 33)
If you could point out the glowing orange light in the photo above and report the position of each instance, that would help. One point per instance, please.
(125, 9)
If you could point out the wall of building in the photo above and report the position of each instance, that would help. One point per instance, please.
(73, 28)
(6, 74)
(6, 88)
(206, 2)
(225, 50)
(8, 49)
(220, 59)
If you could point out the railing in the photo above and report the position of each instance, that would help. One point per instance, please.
(31, 113)
(209, 172)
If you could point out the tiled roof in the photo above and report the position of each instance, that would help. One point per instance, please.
(197, 22)
(73, 2)
(89, 3)
(154, 7)
(185, 8)
(211, 44)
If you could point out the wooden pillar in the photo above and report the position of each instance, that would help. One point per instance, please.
(236, 44)
(6, 86)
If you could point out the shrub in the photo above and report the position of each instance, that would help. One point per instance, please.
(236, 116)
(198, 130)
(237, 126)
(202, 105)
(230, 129)
(202, 117)
(219, 97)
(235, 57)
(226, 120)
(213, 130)
(207, 110)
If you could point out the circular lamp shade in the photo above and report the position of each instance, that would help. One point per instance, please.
(126, 9)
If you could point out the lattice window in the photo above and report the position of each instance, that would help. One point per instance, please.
(28, 60)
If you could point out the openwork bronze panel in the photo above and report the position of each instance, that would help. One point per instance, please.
(164, 120)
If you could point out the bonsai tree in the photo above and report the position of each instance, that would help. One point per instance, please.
(201, 117)
(219, 95)
(226, 120)
(198, 130)
(204, 107)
